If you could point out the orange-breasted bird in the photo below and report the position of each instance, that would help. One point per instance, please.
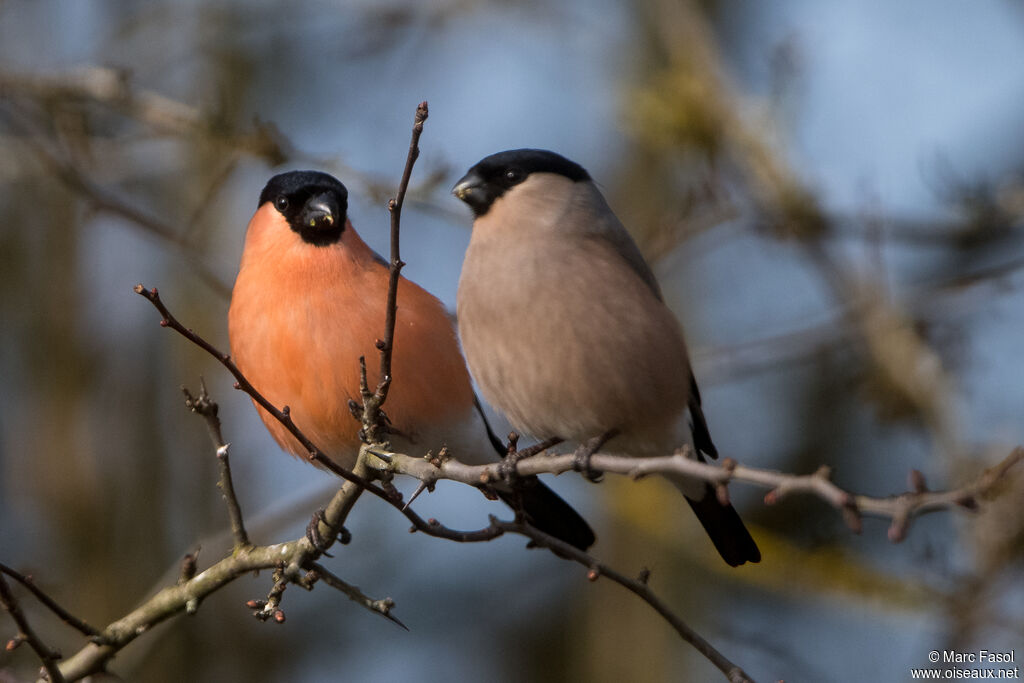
(309, 300)
(565, 329)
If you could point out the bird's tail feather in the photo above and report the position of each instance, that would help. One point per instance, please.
(725, 528)
(544, 509)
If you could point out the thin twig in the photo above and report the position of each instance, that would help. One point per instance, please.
(242, 384)
(638, 587)
(47, 656)
(372, 419)
(382, 607)
(204, 406)
(48, 602)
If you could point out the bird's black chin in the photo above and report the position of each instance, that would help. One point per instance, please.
(321, 221)
(321, 236)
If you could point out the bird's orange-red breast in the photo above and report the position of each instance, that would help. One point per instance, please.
(309, 300)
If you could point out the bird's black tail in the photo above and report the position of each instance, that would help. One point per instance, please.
(542, 507)
(725, 528)
(723, 524)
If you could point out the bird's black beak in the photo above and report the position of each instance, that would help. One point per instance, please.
(472, 189)
(321, 212)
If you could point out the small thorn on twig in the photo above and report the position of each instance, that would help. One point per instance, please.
(383, 455)
(644, 576)
(415, 494)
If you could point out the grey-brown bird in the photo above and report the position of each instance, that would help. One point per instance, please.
(564, 328)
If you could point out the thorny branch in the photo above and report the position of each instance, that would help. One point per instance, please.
(901, 509)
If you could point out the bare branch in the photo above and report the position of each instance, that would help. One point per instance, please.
(281, 415)
(204, 406)
(382, 607)
(48, 602)
(430, 527)
(424, 470)
(293, 559)
(638, 587)
(47, 656)
(372, 419)
(901, 509)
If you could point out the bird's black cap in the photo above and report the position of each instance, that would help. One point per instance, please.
(315, 204)
(493, 176)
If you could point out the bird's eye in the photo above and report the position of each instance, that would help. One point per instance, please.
(281, 203)
(514, 175)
